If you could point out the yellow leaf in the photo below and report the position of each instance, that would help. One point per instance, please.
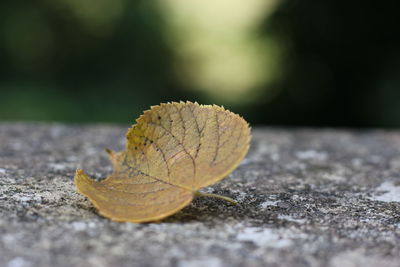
(172, 151)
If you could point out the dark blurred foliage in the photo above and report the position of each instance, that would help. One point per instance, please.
(341, 66)
(84, 76)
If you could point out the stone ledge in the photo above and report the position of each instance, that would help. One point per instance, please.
(307, 198)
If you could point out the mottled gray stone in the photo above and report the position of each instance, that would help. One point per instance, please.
(307, 198)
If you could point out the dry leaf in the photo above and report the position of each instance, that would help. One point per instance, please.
(172, 151)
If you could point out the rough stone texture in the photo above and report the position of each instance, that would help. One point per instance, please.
(307, 198)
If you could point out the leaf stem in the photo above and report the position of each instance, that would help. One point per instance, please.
(201, 194)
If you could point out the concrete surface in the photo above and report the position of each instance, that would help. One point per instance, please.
(307, 198)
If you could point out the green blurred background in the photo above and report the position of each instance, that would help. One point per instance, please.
(286, 63)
